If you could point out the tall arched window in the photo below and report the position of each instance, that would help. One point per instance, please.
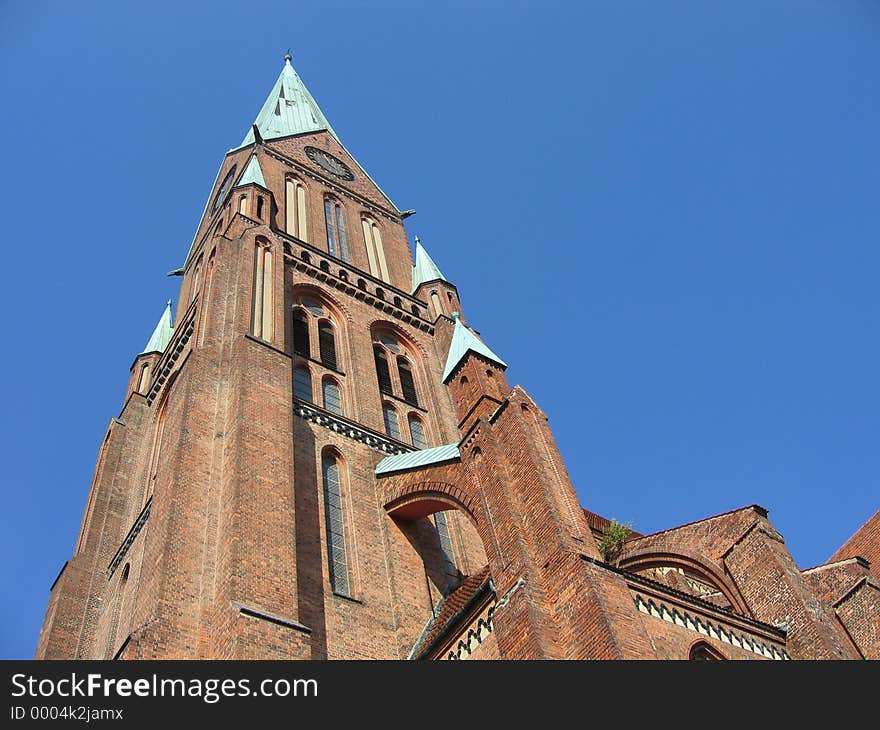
(242, 205)
(296, 217)
(327, 344)
(114, 618)
(382, 371)
(302, 383)
(337, 241)
(392, 428)
(301, 345)
(196, 280)
(337, 553)
(407, 383)
(144, 381)
(447, 553)
(417, 432)
(375, 249)
(435, 300)
(263, 290)
(332, 397)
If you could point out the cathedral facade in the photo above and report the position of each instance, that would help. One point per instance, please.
(318, 458)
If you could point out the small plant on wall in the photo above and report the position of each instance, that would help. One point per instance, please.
(611, 544)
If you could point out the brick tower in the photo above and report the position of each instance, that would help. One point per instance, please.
(317, 458)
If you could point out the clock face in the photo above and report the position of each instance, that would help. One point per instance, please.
(329, 163)
(224, 188)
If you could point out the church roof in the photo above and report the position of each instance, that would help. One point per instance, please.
(289, 109)
(253, 173)
(453, 607)
(463, 342)
(162, 334)
(425, 269)
(416, 459)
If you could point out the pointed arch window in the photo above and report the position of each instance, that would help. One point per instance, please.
(407, 382)
(417, 432)
(447, 553)
(337, 240)
(375, 248)
(392, 428)
(301, 344)
(332, 397)
(327, 344)
(296, 217)
(382, 371)
(302, 383)
(337, 553)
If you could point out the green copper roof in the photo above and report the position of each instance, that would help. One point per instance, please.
(289, 109)
(415, 459)
(162, 334)
(463, 342)
(253, 173)
(425, 269)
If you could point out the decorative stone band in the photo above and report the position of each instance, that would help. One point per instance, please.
(129, 538)
(476, 635)
(483, 626)
(707, 628)
(346, 428)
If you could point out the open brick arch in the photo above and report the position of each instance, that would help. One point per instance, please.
(699, 566)
(420, 499)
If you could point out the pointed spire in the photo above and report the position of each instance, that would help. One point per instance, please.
(425, 269)
(463, 342)
(162, 334)
(253, 173)
(289, 109)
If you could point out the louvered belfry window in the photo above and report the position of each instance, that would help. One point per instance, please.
(382, 371)
(407, 384)
(417, 433)
(337, 554)
(332, 399)
(327, 345)
(301, 333)
(392, 428)
(302, 384)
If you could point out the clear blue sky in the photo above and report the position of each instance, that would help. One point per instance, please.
(663, 215)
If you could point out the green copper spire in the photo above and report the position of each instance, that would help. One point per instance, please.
(162, 334)
(253, 173)
(289, 109)
(463, 342)
(425, 269)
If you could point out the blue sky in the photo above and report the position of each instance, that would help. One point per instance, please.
(663, 215)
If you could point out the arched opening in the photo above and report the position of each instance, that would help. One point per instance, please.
(703, 651)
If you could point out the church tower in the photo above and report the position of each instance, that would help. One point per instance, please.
(318, 458)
